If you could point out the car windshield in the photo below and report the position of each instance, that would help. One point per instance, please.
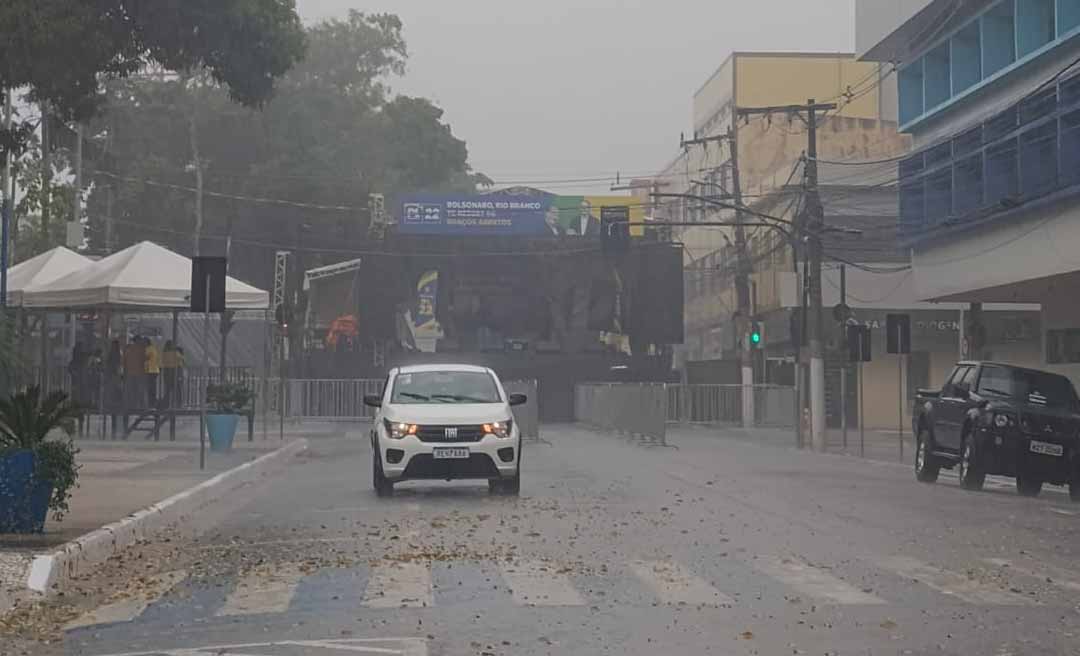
(1035, 387)
(445, 387)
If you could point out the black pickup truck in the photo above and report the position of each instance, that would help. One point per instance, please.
(993, 418)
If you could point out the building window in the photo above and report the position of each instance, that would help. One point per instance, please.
(1063, 346)
(1034, 25)
(1001, 172)
(998, 38)
(966, 58)
(911, 92)
(1068, 15)
(1070, 148)
(937, 76)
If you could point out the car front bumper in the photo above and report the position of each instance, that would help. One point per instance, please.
(409, 458)
(1008, 453)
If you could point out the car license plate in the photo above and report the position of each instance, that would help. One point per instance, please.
(1047, 449)
(456, 453)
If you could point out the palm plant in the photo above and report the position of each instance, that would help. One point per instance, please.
(26, 422)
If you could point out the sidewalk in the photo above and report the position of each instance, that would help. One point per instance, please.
(116, 480)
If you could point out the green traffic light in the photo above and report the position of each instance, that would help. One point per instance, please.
(755, 338)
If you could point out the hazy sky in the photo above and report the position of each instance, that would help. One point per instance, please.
(557, 89)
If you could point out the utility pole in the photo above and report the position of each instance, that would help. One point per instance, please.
(813, 226)
(815, 223)
(5, 208)
(742, 286)
(73, 238)
(46, 175)
(742, 272)
(198, 166)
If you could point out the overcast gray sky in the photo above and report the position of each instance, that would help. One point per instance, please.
(555, 89)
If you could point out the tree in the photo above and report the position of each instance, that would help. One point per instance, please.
(62, 50)
(330, 137)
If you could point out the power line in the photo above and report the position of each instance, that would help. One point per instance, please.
(217, 194)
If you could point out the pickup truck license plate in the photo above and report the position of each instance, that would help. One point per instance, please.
(455, 453)
(1047, 449)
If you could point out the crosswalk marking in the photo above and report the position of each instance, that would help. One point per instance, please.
(675, 585)
(814, 581)
(263, 591)
(397, 585)
(1059, 577)
(957, 585)
(126, 610)
(536, 583)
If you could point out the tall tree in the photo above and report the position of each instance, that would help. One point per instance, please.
(331, 136)
(61, 50)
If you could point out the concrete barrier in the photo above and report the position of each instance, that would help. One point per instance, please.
(49, 573)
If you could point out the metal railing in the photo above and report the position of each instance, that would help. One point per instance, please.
(774, 405)
(635, 409)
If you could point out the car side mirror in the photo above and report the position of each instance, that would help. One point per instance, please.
(373, 401)
(962, 393)
(518, 399)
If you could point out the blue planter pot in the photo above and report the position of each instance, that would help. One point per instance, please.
(222, 430)
(24, 500)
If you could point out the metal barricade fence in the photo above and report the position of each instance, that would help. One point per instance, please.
(637, 409)
(343, 400)
(774, 405)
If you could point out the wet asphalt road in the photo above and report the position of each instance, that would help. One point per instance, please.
(717, 547)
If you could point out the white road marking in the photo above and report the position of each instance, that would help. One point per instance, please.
(397, 585)
(1059, 577)
(956, 585)
(263, 591)
(127, 610)
(392, 646)
(675, 585)
(1067, 513)
(814, 581)
(341, 510)
(536, 583)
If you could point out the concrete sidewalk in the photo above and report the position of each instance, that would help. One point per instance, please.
(119, 478)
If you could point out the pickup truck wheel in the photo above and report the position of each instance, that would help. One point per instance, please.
(927, 466)
(971, 474)
(1027, 486)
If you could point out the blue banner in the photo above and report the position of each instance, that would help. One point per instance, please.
(493, 214)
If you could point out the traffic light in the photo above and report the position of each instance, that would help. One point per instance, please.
(756, 337)
(283, 315)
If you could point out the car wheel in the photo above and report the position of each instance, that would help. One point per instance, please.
(1027, 486)
(927, 467)
(384, 487)
(971, 475)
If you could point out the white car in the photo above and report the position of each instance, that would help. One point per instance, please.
(445, 422)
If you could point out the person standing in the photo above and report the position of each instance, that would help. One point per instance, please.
(134, 376)
(80, 357)
(170, 362)
(114, 383)
(152, 364)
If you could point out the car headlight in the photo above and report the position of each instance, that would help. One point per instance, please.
(396, 430)
(499, 428)
(1002, 420)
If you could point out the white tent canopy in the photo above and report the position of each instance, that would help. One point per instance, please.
(143, 277)
(42, 269)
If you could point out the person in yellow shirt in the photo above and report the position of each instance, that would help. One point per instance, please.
(152, 371)
(171, 362)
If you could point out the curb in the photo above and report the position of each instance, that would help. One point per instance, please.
(48, 573)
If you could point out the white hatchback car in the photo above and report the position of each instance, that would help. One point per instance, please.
(445, 422)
